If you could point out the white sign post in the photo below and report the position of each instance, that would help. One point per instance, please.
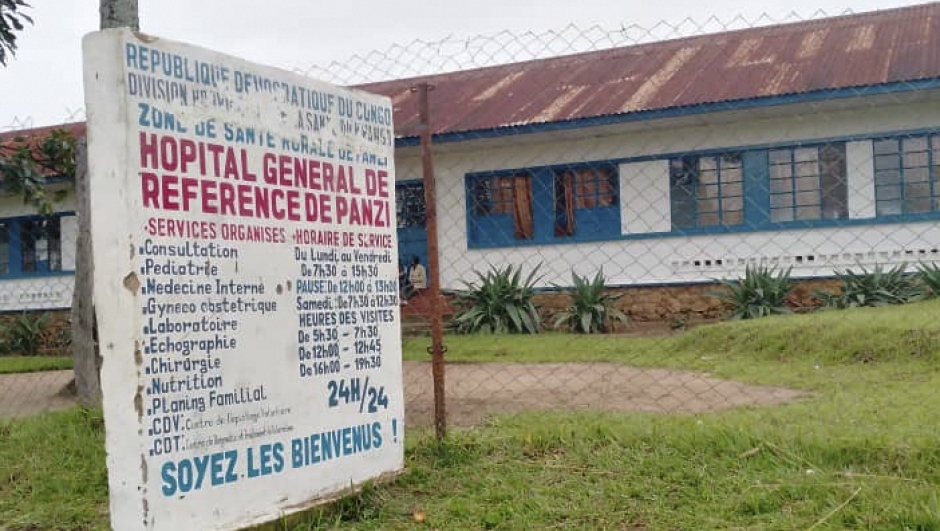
(243, 226)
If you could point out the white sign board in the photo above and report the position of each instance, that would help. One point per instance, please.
(245, 284)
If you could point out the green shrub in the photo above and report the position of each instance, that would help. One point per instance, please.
(763, 291)
(500, 303)
(878, 287)
(929, 276)
(591, 309)
(64, 339)
(24, 335)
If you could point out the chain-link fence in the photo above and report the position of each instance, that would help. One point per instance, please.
(666, 163)
(37, 260)
(606, 199)
(626, 203)
(38, 235)
(647, 194)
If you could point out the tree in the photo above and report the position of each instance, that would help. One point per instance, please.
(114, 14)
(12, 20)
(119, 13)
(26, 165)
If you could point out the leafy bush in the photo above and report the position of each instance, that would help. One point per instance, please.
(763, 291)
(24, 335)
(591, 310)
(64, 339)
(501, 302)
(929, 275)
(26, 168)
(873, 288)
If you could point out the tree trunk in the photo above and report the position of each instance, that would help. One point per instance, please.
(119, 14)
(84, 343)
(114, 14)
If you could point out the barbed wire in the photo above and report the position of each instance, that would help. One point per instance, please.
(422, 57)
(452, 53)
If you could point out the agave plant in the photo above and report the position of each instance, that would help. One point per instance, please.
(500, 302)
(591, 310)
(929, 275)
(878, 287)
(763, 291)
(24, 335)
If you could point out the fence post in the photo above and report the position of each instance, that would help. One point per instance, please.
(434, 272)
(84, 350)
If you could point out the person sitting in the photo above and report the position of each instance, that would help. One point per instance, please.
(417, 276)
(404, 286)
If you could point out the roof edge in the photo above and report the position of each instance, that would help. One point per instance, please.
(679, 111)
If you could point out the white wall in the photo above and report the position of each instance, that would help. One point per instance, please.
(811, 252)
(13, 206)
(644, 197)
(40, 293)
(860, 164)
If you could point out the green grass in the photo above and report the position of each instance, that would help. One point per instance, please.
(860, 453)
(18, 364)
(775, 350)
(603, 471)
(52, 472)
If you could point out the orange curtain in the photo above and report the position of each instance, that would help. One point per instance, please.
(522, 207)
(584, 187)
(568, 184)
(502, 195)
(605, 191)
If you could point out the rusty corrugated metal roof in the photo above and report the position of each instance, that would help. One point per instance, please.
(867, 49)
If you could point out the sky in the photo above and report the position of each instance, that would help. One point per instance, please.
(42, 85)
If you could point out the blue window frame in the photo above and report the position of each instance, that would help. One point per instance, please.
(906, 171)
(808, 183)
(542, 206)
(501, 209)
(4, 249)
(706, 191)
(31, 246)
(586, 201)
(775, 186)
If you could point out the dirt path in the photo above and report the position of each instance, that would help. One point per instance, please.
(477, 391)
(22, 395)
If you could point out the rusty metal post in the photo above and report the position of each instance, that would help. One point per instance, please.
(434, 272)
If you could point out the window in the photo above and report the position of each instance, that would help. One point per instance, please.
(30, 246)
(543, 205)
(586, 197)
(808, 183)
(41, 245)
(499, 201)
(410, 205)
(905, 171)
(706, 191)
